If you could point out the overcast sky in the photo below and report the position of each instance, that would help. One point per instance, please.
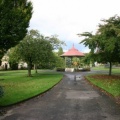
(67, 18)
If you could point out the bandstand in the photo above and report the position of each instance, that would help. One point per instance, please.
(71, 53)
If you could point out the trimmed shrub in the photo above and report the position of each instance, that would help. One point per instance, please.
(60, 69)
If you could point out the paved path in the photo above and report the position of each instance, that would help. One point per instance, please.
(71, 99)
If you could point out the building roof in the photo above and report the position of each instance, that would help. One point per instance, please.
(73, 52)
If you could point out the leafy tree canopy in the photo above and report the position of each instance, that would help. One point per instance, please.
(105, 44)
(34, 49)
(60, 51)
(14, 21)
(55, 42)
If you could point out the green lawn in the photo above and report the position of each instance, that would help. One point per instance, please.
(102, 68)
(111, 84)
(18, 87)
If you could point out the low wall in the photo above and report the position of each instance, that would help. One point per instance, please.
(69, 69)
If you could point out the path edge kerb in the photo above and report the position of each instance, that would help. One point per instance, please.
(116, 99)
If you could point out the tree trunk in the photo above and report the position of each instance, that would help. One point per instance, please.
(29, 69)
(0, 62)
(110, 69)
(35, 68)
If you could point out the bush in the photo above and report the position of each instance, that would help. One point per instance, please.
(14, 66)
(60, 69)
(83, 69)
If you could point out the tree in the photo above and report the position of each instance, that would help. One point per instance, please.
(105, 44)
(34, 49)
(55, 42)
(14, 21)
(13, 58)
(60, 51)
(88, 59)
(58, 61)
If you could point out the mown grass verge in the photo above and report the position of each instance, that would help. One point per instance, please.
(18, 87)
(102, 68)
(111, 84)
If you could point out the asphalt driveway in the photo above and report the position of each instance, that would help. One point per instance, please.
(72, 99)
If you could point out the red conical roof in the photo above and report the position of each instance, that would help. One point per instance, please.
(72, 52)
